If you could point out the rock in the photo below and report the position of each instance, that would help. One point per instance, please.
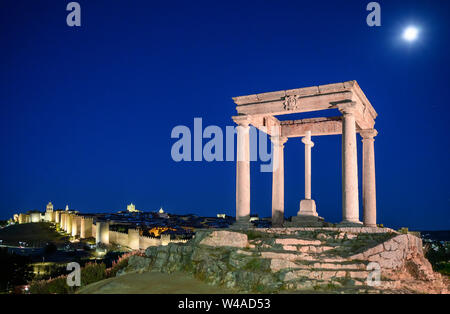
(290, 241)
(279, 264)
(136, 263)
(226, 238)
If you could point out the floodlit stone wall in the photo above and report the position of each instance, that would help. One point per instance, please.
(35, 217)
(145, 242)
(118, 238)
(86, 227)
(133, 239)
(69, 220)
(76, 225)
(57, 217)
(102, 232)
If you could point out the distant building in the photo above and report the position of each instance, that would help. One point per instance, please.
(162, 214)
(132, 209)
(49, 207)
(48, 216)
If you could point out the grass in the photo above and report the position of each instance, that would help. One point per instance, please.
(253, 235)
(255, 264)
(31, 233)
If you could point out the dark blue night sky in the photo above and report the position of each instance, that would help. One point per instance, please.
(86, 113)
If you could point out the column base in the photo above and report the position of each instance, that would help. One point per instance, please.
(307, 208)
(350, 223)
(242, 224)
(371, 225)
(277, 218)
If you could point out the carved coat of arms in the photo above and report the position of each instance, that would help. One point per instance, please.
(290, 103)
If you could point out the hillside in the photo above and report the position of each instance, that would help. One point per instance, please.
(295, 260)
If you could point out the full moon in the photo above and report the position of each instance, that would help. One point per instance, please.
(410, 33)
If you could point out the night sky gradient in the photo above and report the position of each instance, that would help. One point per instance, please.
(86, 113)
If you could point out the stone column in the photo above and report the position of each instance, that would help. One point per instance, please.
(350, 207)
(278, 181)
(243, 174)
(307, 205)
(369, 191)
(308, 145)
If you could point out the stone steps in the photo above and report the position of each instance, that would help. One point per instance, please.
(310, 263)
(325, 275)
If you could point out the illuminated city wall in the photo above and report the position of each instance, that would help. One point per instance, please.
(133, 239)
(35, 217)
(23, 218)
(102, 232)
(57, 216)
(76, 225)
(69, 223)
(118, 238)
(86, 227)
(63, 221)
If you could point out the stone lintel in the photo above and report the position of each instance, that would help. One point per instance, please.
(317, 126)
(294, 104)
(306, 99)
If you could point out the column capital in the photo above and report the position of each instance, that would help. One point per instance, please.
(368, 134)
(243, 120)
(307, 141)
(347, 108)
(278, 140)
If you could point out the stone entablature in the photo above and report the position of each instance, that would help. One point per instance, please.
(308, 99)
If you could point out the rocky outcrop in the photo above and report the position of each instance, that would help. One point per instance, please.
(309, 259)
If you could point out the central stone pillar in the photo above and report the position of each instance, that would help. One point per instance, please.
(369, 191)
(278, 181)
(350, 206)
(307, 205)
(307, 215)
(243, 174)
